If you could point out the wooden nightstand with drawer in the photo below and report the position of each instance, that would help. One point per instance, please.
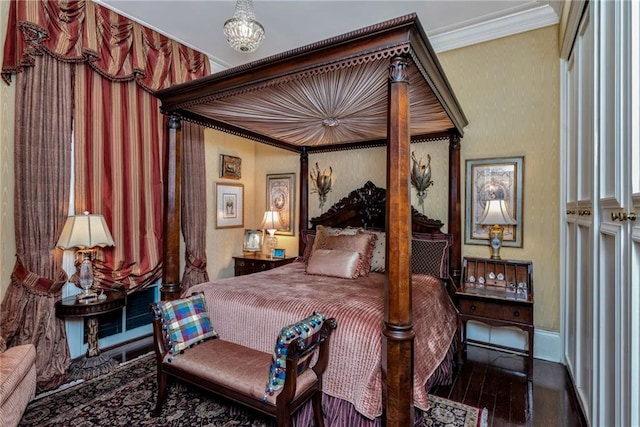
(248, 264)
(497, 293)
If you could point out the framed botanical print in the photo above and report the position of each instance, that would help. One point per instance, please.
(487, 179)
(280, 198)
(229, 205)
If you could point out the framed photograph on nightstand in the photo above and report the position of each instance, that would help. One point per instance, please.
(252, 241)
(278, 253)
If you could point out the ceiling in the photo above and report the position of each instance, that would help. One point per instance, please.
(290, 24)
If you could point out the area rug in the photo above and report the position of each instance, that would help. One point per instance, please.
(126, 397)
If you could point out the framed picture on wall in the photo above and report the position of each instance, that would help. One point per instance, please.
(487, 179)
(230, 167)
(229, 205)
(280, 198)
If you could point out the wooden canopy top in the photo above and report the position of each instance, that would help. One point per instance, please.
(326, 96)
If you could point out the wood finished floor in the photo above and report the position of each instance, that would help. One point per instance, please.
(497, 381)
(488, 379)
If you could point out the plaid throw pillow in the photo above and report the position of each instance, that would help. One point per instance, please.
(185, 322)
(307, 329)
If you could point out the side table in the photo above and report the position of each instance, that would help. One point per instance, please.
(497, 293)
(93, 363)
(248, 264)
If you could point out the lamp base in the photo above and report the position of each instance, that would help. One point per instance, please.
(87, 296)
(270, 242)
(495, 241)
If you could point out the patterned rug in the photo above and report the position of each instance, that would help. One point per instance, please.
(126, 396)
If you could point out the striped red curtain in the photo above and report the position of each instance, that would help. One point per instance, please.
(119, 138)
(119, 133)
(114, 46)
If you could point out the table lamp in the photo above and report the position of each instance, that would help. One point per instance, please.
(85, 232)
(496, 213)
(271, 222)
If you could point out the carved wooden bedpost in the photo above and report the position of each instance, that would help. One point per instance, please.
(304, 197)
(171, 287)
(455, 216)
(398, 334)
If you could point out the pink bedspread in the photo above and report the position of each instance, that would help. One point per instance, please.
(250, 310)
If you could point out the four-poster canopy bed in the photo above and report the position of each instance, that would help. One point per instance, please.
(377, 86)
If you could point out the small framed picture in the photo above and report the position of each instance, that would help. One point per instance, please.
(230, 167)
(252, 241)
(278, 253)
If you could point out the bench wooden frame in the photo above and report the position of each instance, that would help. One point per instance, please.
(287, 402)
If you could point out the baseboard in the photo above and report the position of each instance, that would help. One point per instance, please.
(547, 345)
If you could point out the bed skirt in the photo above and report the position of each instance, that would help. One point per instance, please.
(340, 413)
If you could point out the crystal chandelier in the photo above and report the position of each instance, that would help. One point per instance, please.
(243, 32)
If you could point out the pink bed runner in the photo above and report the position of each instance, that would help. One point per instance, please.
(250, 310)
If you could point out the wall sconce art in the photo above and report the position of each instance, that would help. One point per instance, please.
(322, 183)
(421, 178)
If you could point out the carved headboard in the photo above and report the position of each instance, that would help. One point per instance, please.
(365, 207)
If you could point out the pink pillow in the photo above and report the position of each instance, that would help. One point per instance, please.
(334, 262)
(362, 243)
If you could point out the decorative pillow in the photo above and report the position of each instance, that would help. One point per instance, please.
(335, 263)
(429, 257)
(321, 233)
(361, 243)
(308, 329)
(379, 251)
(185, 322)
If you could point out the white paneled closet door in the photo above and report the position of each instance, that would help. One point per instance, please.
(602, 235)
(580, 213)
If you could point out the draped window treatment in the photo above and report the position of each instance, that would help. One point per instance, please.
(44, 105)
(194, 221)
(119, 132)
(119, 174)
(111, 67)
(114, 46)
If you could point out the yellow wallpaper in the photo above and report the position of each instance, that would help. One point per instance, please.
(509, 90)
(351, 169)
(223, 244)
(7, 113)
(270, 160)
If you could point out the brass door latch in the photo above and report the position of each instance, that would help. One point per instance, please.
(623, 216)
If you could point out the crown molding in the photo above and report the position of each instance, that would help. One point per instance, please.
(515, 23)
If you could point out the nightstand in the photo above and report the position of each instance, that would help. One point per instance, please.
(94, 363)
(497, 293)
(249, 263)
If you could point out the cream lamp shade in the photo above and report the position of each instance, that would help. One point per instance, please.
(271, 222)
(496, 213)
(84, 232)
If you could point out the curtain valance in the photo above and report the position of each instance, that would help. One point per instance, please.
(114, 46)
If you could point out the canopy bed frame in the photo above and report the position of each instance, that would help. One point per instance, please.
(380, 85)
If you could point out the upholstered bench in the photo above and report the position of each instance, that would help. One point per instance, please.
(275, 384)
(17, 381)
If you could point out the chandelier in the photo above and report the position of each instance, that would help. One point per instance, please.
(243, 32)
